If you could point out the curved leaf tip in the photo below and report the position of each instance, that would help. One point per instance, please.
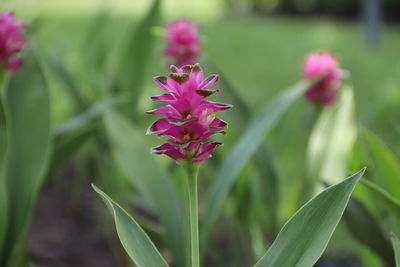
(135, 241)
(303, 239)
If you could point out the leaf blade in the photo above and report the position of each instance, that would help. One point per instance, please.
(396, 248)
(391, 203)
(135, 241)
(386, 164)
(245, 148)
(27, 110)
(299, 243)
(331, 141)
(138, 47)
(131, 153)
(365, 228)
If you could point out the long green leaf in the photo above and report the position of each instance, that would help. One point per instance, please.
(396, 248)
(3, 215)
(67, 145)
(71, 85)
(263, 158)
(245, 148)
(27, 113)
(3, 191)
(382, 196)
(131, 152)
(136, 53)
(96, 58)
(135, 241)
(305, 236)
(366, 229)
(89, 115)
(386, 165)
(331, 142)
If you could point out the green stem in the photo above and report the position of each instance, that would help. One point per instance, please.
(192, 171)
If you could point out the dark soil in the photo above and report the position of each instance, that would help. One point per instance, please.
(61, 236)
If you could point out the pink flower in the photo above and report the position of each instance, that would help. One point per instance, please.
(188, 119)
(324, 68)
(11, 41)
(183, 44)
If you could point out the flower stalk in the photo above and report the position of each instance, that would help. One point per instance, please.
(192, 170)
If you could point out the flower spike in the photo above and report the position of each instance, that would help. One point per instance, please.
(324, 68)
(183, 44)
(188, 119)
(11, 42)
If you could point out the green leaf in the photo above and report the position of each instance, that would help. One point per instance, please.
(27, 111)
(244, 150)
(396, 248)
(366, 229)
(134, 240)
(386, 167)
(96, 59)
(73, 134)
(136, 54)
(89, 115)
(72, 86)
(131, 152)
(305, 236)
(67, 145)
(331, 143)
(263, 158)
(3, 191)
(380, 195)
(3, 215)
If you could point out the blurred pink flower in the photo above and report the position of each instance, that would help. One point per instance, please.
(11, 41)
(188, 118)
(183, 44)
(323, 68)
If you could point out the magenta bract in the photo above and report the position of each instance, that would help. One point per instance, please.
(183, 44)
(325, 68)
(11, 41)
(188, 119)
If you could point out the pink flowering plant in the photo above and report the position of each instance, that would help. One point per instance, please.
(25, 137)
(11, 42)
(183, 43)
(188, 120)
(324, 69)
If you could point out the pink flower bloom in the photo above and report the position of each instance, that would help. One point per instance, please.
(183, 44)
(188, 119)
(11, 41)
(324, 68)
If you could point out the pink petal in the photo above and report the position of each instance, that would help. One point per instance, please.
(210, 105)
(176, 132)
(163, 97)
(168, 111)
(206, 93)
(159, 127)
(205, 151)
(195, 129)
(218, 124)
(175, 82)
(161, 82)
(168, 150)
(209, 81)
